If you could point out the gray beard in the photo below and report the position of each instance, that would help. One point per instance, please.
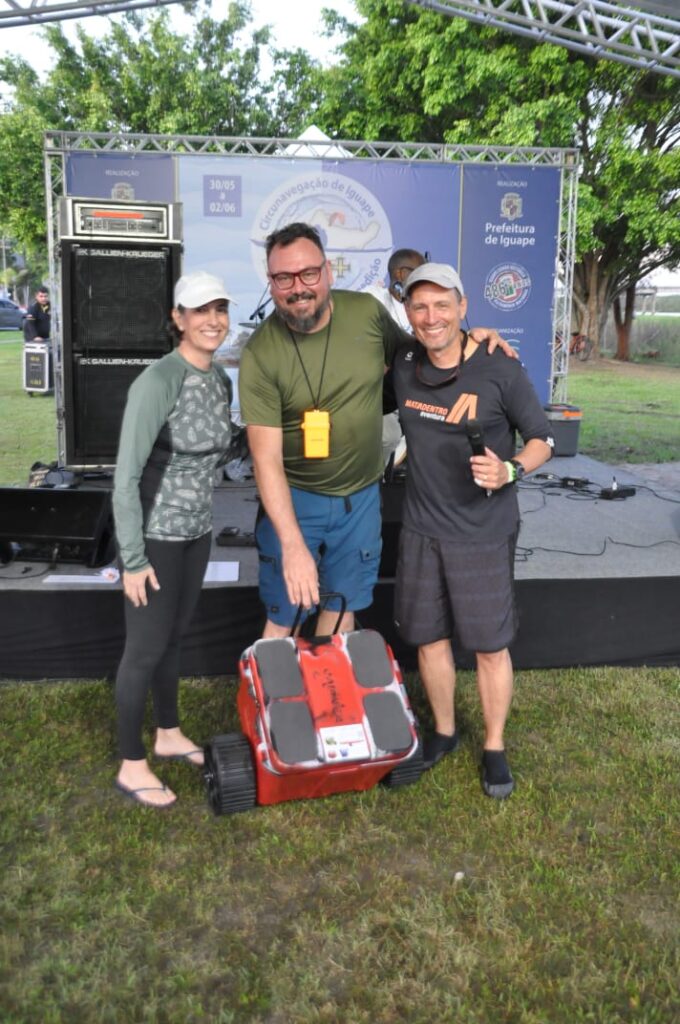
(303, 324)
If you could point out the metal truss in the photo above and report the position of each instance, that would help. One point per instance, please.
(564, 285)
(643, 33)
(199, 145)
(58, 145)
(14, 13)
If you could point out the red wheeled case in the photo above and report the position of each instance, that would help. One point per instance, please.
(319, 716)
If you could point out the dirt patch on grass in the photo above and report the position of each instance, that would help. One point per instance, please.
(655, 912)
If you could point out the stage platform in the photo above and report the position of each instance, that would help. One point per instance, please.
(598, 582)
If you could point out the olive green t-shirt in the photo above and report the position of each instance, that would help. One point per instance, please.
(274, 391)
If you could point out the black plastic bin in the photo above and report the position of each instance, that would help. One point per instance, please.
(565, 421)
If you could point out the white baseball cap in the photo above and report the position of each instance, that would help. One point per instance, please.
(442, 274)
(195, 289)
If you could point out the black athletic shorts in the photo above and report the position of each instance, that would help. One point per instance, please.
(447, 586)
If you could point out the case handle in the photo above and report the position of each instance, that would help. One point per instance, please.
(322, 600)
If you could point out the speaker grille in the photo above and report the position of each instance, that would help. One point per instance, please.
(117, 298)
(121, 299)
(100, 387)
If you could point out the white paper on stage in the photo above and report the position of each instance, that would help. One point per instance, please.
(82, 578)
(216, 572)
(221, 572)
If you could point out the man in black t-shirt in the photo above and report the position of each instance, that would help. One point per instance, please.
(461, 515)
(38, 319)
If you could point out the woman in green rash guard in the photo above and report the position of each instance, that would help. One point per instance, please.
(175, 432)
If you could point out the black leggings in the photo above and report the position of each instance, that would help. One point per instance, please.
(153, 635)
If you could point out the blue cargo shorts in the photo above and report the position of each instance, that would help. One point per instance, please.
(344, 535)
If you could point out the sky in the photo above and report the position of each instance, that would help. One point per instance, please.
(302, 29)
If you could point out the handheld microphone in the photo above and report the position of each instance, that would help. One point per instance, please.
(475, 435)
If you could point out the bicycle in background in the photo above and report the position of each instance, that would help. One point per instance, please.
(580, 346)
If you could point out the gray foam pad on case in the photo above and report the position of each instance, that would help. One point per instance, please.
(292, 731)
(368, 655)
(388, 721)
(279, 668)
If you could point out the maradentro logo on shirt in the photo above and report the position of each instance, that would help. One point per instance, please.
(466, 405)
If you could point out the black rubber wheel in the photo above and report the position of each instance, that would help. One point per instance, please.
(229, 774)
(406, 772)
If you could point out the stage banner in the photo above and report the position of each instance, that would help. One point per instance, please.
(498, 224)
(508, 258)
(363, 210)
(144, 177)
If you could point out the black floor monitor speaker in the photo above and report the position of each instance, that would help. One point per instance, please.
(54, 525)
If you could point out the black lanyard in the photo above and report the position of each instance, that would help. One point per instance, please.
(323, 365)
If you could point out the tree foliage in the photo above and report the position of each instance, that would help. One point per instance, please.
(143, 77)
(415, 75)
(629, 192)
(403, 73)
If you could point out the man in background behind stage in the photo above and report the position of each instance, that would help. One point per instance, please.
(461, 516)
(400, 265)
(38, 319)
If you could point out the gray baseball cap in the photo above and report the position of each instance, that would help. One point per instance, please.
(435, 273)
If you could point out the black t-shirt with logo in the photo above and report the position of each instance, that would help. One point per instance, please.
(442, 500)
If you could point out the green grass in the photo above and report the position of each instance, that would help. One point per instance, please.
(29, 422)
(631, 413)
(429, 904)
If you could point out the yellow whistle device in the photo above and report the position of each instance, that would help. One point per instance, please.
(316, 426)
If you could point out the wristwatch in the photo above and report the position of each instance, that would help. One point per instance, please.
(519, 470)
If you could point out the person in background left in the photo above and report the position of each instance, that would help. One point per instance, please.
(175, 432)
(38, 319)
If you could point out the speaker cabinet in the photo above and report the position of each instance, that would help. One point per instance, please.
(99, 388)
(51, 525)
(116, 301)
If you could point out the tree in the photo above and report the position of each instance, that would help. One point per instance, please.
(415, 75)
(293, 93)
(143, 77)
(629, 196)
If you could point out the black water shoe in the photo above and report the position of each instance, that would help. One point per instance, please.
(438, 746)
(497, 780)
